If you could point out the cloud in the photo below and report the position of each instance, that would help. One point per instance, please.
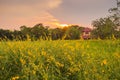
(29, 4)
(27, 7)
(14, 23)
(54, 3)
(30, 12)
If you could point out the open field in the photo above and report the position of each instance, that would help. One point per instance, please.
(60, 60)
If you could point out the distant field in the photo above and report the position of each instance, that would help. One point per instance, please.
(60, 60)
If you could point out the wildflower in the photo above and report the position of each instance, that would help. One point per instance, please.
(69, 57)
(73, 69)
(94, 69)
(29, 53)
(87, 46)
(22, 61)
(65, 44)
(0, 56)
(59, 64)
(65, 53)
(71, 48)
(51, 58)
(15, 78)
(33, 71)
(113, 37)
(2, 68)
(104, 62)
(103, 71)
(117, 55)
(85, 72)
(43, 53)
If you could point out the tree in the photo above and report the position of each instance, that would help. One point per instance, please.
(73, 32)
(25, 30)
(115, 14)
(5, 34)
(40, 31)
(17, 35)
(103, 28)
(109, 26)
(56, 33)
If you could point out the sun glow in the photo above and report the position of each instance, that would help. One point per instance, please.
(63, 25)
(58, 24)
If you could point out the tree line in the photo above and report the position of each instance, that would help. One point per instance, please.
(40, 31)
(104, 28)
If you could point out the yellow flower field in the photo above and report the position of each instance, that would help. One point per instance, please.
(60, 60)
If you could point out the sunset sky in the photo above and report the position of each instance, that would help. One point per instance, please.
(15, 13)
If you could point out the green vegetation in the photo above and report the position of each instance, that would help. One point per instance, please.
(60, 60)
(40, 31)
(108, 26)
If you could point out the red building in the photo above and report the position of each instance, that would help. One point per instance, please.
(86, 33)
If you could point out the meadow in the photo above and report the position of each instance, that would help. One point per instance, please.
(60, 60)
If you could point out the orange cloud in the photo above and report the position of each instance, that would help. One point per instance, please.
(28, 13)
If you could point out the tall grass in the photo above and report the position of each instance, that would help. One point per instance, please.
(60, 60)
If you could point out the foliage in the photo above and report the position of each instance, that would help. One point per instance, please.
(115, 16)
(40, 31)
(60, 60)
(56, 33)
(108, 26)
(104, 28)
(73, 32)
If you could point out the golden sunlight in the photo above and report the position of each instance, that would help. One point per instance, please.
(59, 24)
(63, 25)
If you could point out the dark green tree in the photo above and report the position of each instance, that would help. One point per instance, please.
(109, 26)
(40, 31)
(103, 28)
(5, 34)
(56, 33)
(115, 14)
(73, 32)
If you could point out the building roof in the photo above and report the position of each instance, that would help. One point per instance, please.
(86, 30)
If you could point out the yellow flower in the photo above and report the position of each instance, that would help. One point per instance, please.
(85, 72)
(69, 57)
(103, 71)
(87, 46)
(73, 69)
(72, 48)
(43, 53)
(22, 61)
(33, 71)
(29, 53)
(104, 62)
(117, 55)
(59, 64)
(51, 58)
(15, 78)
